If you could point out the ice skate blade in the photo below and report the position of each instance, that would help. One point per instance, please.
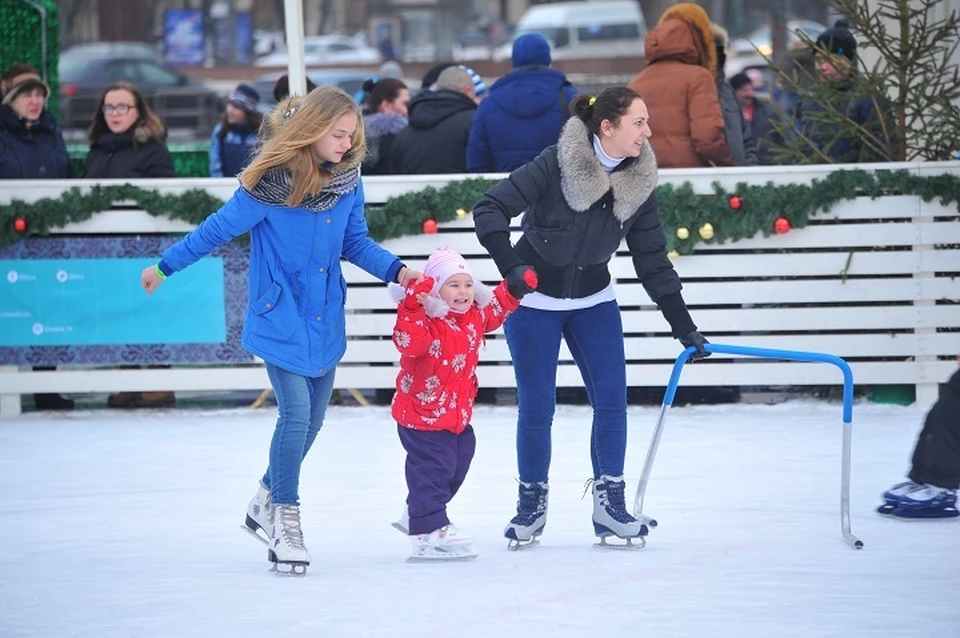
(627, 543)
(400, 528)
(515, 545)
(255, 535)
(452, 558)
(293, 569)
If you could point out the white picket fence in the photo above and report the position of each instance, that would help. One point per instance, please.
(873, 281)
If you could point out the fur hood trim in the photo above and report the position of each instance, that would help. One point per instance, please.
(583, 180)
(145, 132)
(696, 17)
(437, 307)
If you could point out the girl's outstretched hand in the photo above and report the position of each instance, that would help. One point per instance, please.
(406, 276)
(150, 279)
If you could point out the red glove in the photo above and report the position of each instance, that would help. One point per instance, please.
(410, 299)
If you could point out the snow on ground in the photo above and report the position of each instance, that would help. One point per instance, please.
(127, 524)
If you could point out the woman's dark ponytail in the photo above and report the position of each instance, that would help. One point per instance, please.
(609, 104)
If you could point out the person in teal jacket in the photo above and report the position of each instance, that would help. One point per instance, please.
(302, 201)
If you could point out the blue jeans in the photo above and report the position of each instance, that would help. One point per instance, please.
(595, 338)
(302, 403)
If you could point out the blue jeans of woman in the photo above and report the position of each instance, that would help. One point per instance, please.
(595, 338)
(302, 403)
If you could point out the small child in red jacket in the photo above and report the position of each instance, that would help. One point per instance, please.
(441, 323)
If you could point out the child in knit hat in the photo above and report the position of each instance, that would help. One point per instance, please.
(441, 323)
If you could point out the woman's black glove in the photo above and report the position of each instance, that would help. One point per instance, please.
(697, 340)
(521, 279)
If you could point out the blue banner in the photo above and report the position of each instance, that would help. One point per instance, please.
(183, 38)
(59, 302)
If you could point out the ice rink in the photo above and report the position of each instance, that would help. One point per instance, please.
(126, 524)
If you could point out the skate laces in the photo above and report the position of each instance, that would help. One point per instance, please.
(610, 496)
(289, 520)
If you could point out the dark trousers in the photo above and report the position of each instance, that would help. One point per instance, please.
(437, 464)
(936, 458)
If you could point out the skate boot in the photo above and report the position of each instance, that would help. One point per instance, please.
(258, 515)
(927, 501)
(286, 542)
(610, 515)
(445, 544)
(531, 518)
(402, 524)
(910, 493)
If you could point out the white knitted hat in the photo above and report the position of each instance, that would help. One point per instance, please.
(444, 264)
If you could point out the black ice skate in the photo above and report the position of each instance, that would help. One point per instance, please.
(531, 518)
(610, 516)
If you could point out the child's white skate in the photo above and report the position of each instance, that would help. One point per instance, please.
(286, 547)
(402, 524)
(446, 544)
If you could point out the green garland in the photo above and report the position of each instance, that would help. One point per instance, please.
(760, 205)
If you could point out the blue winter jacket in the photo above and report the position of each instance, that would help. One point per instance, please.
(522, 116)
(36, 151)
(231, 156)
(295, 315)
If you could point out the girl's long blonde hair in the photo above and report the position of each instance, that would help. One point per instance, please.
(289, 133)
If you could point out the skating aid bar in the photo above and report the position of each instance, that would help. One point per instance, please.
(763, 353)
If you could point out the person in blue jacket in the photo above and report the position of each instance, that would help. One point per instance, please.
(302, 201)
(523, 114)
(234, 138)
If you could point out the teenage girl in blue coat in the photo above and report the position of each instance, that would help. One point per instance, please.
(302, 201)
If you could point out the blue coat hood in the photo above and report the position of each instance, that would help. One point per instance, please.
(522, 116)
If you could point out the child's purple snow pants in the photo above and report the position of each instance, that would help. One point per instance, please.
(437, 464)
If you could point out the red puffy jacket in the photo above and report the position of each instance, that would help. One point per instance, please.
(439, 349)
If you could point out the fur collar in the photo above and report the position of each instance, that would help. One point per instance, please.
(583, 180)
(437, 307)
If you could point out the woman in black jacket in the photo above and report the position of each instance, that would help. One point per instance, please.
(581, 198)
(127, 140)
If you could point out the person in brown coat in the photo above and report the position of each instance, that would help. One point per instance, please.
(679, 88)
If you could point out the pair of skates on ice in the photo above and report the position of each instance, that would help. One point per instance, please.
(610, 519)
(610, 516)
(278, 527)
(911, 500)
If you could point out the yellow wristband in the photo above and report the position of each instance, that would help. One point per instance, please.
(159, 272)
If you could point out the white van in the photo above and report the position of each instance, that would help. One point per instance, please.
(601, 29)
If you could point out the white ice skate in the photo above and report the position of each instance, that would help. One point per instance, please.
(402, 524)
(610, 516)
(286, 543)
(447, 544)
(525, 528)
(258, 521)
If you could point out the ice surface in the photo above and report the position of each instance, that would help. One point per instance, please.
(127, 524)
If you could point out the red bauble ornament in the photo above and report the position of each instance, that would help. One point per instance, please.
(430, 226)
(735, 202)
(782, 226)
(19, 224)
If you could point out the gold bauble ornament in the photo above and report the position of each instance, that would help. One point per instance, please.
(706, 231)
(683, 232)
(673, 254)
(461, 214)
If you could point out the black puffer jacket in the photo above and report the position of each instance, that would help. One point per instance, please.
(130, 154)
(575, 217)
(436, 139)
(34, 151)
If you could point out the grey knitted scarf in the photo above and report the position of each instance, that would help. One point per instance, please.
(274, 187)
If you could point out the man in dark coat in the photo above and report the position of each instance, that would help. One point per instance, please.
(436, 139)
(757, 113)
(524, 113)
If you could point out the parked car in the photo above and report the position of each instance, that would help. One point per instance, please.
(184, 105)
(605, 29)
(350, 80)
(327, 49)
(761, 40)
